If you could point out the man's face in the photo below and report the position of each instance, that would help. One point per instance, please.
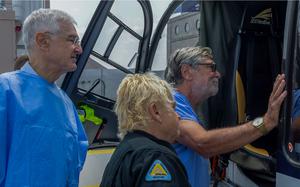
(64, 49)
(205, 80)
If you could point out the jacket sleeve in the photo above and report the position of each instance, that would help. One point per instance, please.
(3, 131)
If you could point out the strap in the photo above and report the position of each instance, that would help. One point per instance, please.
(274, 56)
(249, 73)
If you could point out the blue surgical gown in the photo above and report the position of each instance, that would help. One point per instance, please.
(42, 141)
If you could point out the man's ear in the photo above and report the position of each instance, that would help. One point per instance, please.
(42, 40)
(155, 112)
(186, 72)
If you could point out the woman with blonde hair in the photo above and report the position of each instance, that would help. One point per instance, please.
(148, 125)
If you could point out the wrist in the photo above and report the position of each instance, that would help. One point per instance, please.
(259, 124)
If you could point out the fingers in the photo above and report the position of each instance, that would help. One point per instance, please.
(276, 98)
(278, 88)
(274, 107)
(277, 84)
(277, 101)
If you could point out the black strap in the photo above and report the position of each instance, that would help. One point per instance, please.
(249, 72)
(274, 56)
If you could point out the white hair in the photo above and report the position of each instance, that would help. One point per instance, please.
(43, 20)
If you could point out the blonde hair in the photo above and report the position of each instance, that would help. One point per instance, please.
(134, 95)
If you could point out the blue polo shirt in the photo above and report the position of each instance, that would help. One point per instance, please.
(296, 104)
(196, 165)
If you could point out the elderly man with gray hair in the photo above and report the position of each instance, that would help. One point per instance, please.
(193, 73)
(147, 126)
(42, 141)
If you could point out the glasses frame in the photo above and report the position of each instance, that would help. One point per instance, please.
(75, 40)
(213, 66)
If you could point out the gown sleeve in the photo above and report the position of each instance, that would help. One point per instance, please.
(3, 131)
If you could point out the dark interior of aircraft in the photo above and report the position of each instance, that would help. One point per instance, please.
(247, 40)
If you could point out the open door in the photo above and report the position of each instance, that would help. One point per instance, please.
(260, 52)
(253, 41)
(249, 53)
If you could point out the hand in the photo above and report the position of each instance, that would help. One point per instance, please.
(277, 96)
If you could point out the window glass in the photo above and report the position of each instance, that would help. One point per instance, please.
(124, 51)
(180, 31)
(176, 29)
(198, 24)
(103, 67)
(160, 58)
(81, 10)
(109, 77)
(158, 8)
(134, 17)
(108, 30)
(187, 27)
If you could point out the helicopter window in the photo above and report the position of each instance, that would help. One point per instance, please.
(109, 76)
(176, 29)
(116, 50)
(198, 24)
(73, 9)
(136, 24)
(187, 27)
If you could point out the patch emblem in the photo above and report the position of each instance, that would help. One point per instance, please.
(158, 172)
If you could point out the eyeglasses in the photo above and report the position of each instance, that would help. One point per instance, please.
(75, 40)
(212, 66)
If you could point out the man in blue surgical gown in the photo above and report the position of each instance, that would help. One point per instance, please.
(42, 142)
